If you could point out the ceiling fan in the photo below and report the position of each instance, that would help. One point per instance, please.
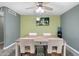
(40, 7)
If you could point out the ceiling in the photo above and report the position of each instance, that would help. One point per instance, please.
(58, 7)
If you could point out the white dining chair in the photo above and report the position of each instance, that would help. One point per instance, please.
(47, 34)
(55, 45)
(32, 34)
(27, 45)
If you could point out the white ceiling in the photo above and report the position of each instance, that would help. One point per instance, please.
(58, 7)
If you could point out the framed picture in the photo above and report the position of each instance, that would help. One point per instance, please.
(43, 21)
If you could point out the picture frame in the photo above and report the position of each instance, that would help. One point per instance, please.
(43, 21)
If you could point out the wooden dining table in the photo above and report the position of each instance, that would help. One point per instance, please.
(39, 40)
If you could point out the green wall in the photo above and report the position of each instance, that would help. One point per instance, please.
(28, 24)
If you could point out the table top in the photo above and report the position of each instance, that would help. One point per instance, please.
(40, 38)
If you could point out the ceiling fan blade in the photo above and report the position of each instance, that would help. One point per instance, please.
(47, 8)
(42, 3)
(31, 7)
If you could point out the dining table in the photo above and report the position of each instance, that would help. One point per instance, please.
(40, 40)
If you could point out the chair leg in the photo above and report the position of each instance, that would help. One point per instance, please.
(22, 54)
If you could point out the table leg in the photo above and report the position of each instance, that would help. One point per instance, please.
(16, 49)
(64, 49)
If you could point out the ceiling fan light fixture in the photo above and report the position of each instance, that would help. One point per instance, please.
(39, 10)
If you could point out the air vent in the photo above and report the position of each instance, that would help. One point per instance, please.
(11, 12)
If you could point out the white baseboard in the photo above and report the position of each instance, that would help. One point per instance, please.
(9, 46)
(72, 50)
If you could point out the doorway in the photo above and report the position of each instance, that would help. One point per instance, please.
(1, 33)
